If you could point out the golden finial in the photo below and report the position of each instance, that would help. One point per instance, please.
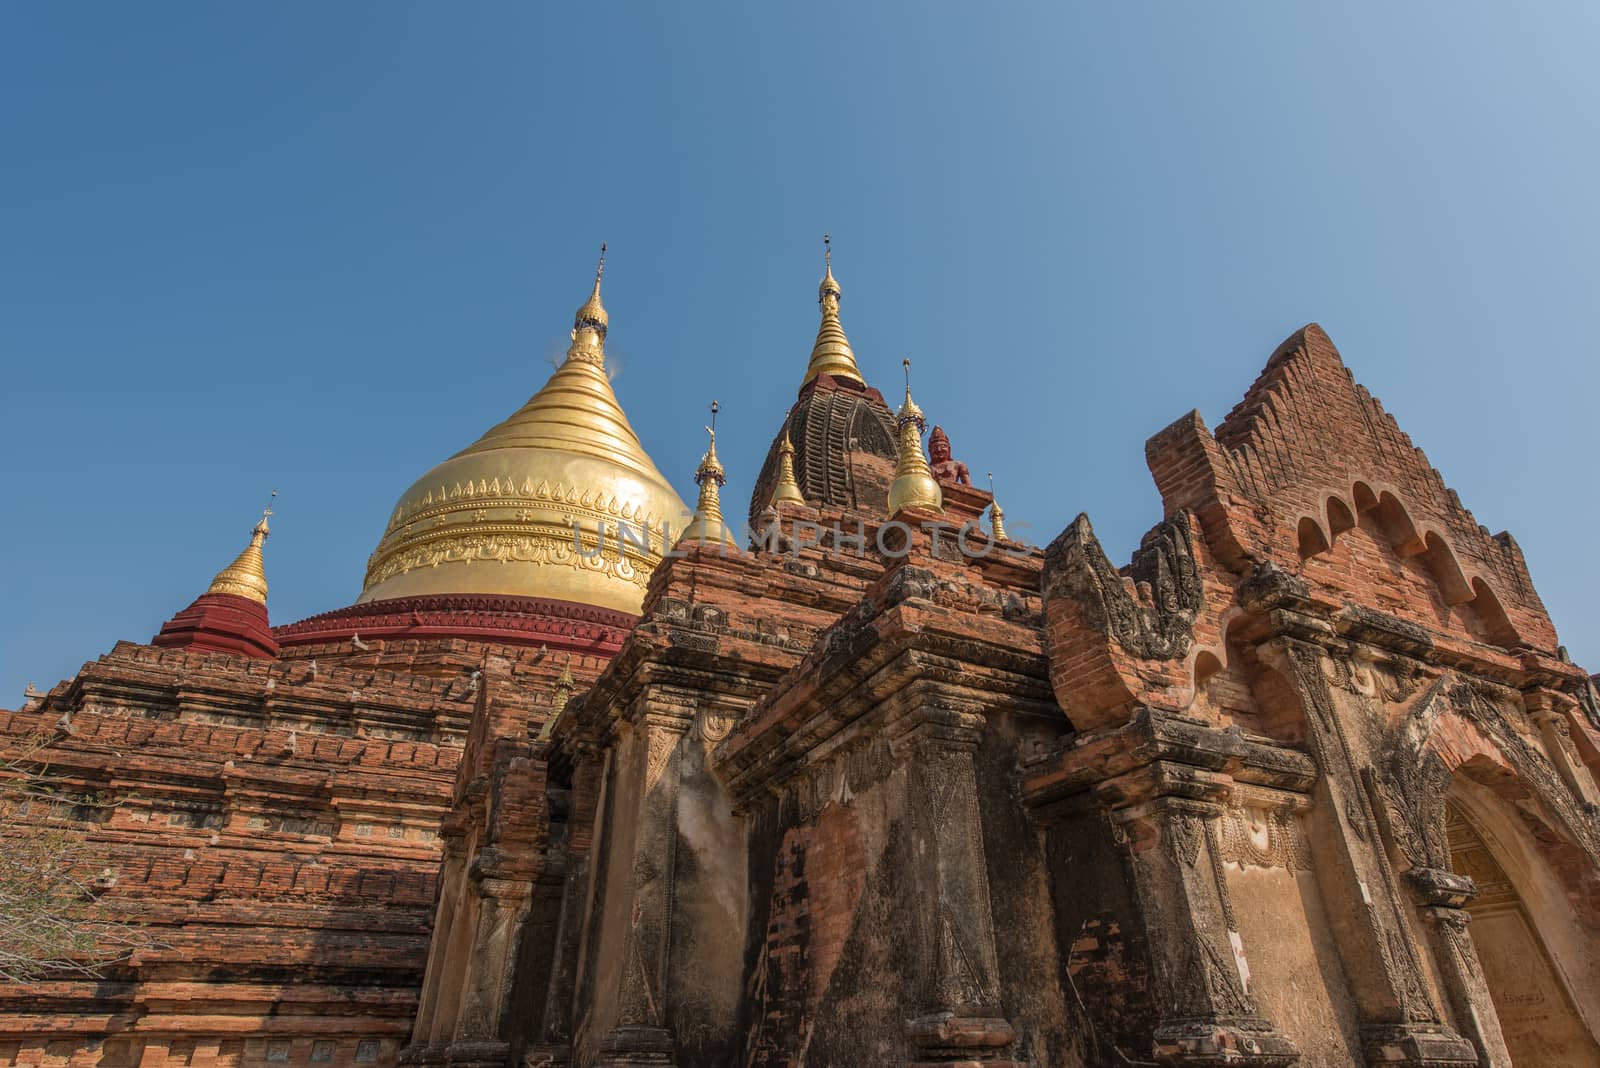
(710, 466)
(831, 353)
(914, 485)
(563, 694)
(564, 686)
(708, 524)
(787, 489)
(589, 324)
(829, 285)
(909, 409)
(247, 576)
(997, 515)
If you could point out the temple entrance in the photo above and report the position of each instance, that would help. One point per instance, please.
(1541, 1026)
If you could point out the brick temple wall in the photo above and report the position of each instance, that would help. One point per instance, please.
(276, 824)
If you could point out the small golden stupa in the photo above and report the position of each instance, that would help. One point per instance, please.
(787, 491)
(914, 485)
(709, 527)
(997, 515)
(247, 575)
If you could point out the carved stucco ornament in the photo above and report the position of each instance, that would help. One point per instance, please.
(1161, 628)
(1253, 836)
(845, 773)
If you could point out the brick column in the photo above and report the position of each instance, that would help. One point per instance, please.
(1550, 709)
(588, 783)
(479, 1040)
(641, 1035)
(1400, 1025)
(452, 875)
(961, 1021)
(1200, 976)
(1441, 895)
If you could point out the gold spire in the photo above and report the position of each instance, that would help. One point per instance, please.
(997, 515)
(589, 324)
(708, 524)
(831, 353)
(564, 685)
(246, 576)
(559, 703)
(787, 491)
(914, 485)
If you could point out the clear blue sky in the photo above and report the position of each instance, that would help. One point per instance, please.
(319, 247)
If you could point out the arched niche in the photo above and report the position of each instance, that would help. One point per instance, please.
(1222, 679)
(1384, 515)
(1538, 961)
(1447, 573)
(1311, 538)
(1275, 711)
(1458, 789)
(1389, 515)
(1340, 517)
(1493, 616)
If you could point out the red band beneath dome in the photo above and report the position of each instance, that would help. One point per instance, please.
(564, 625)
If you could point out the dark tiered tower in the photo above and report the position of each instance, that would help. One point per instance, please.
(842, 430)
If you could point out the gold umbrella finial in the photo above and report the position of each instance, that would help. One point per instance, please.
(711, 431)
(829, 286)
(909, 409)
(590, 323)
(265, 512)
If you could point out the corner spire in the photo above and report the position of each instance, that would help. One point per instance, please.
(708, 524)
(831, 353)
(231, 616)
(589, 324)
(247, 576)
(997, 515)
(564, 686)
(787, 490)
(914, 485)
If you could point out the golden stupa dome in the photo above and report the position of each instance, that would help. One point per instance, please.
(498, 517)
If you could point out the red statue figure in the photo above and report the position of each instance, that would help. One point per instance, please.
(945, 467)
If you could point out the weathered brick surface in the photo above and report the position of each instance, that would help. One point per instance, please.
(276, 823)
(1009, 810)
(850, 805)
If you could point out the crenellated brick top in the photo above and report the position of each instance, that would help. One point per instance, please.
(1309, 454)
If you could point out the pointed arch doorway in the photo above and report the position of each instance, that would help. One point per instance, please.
(1540, 1024)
